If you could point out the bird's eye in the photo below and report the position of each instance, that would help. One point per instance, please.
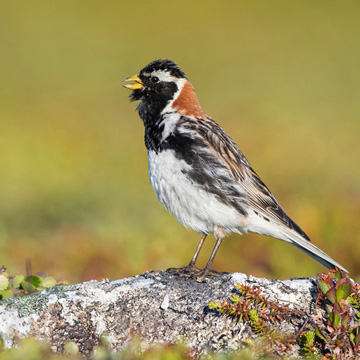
(155, 79)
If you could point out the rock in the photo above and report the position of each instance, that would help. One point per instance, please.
(156, 307)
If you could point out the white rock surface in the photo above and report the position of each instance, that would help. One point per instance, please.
(158, 307)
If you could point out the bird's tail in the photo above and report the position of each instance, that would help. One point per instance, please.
(308, 248)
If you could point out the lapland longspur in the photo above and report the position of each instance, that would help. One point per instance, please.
(198, 172)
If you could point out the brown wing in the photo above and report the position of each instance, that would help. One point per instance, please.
(260, 199)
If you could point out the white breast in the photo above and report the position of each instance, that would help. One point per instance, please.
(190, 203)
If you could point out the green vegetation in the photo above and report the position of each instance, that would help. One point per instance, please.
(20, 285)
(250, 305)
(339, 335)
(335, 334)
(32, 350)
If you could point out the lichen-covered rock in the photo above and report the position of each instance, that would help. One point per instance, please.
(157, 307)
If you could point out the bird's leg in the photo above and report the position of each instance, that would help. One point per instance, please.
(191, 265)
(191, 268)
(219, 234)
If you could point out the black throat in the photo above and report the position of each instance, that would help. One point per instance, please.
(150, 111)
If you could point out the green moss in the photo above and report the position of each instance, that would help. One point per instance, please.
(37, 302)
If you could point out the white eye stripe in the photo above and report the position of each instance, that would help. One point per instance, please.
(162, 75)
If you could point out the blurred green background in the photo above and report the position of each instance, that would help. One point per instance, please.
(282, 77)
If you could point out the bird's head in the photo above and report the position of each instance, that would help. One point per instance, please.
(161, 84)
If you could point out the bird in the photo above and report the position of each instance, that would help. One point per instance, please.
(198, 172)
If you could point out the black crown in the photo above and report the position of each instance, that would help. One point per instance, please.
(165, 65)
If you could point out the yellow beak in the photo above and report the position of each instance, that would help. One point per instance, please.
(138, 84)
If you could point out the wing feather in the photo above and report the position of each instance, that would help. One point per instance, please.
(260, 199)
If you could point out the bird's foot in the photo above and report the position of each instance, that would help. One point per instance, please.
(186, 271)
(200, 275)
(193, 272)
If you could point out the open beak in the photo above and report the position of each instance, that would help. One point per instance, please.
(138, 83)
